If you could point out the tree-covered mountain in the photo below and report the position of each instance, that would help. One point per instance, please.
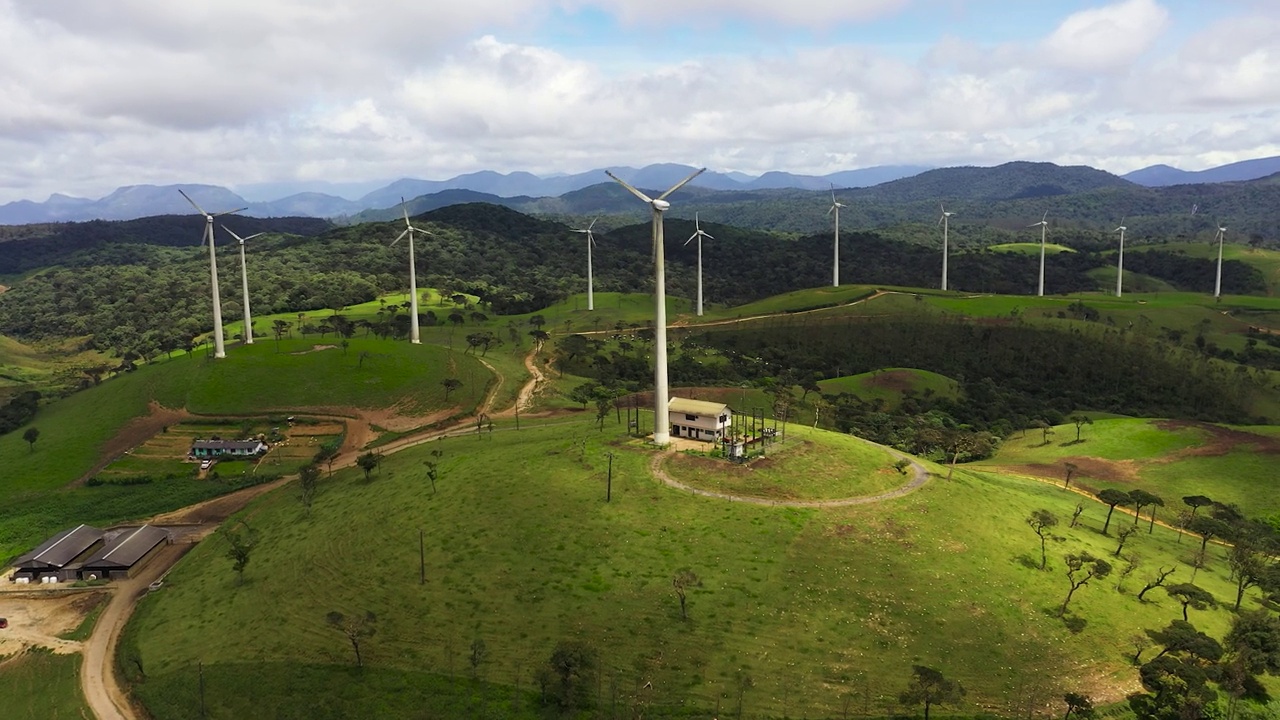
(1162, 175)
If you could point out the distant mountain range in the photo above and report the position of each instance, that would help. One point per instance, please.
(1163, 175)
(137, 201)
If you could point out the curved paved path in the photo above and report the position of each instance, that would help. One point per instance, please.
(919, 476)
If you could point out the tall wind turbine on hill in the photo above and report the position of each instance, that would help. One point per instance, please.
(835, 208)
(1217, 283)
(244, 279)
(591, 240)
(661, 424)
(699, 234)
(1120, 259)
(1044, 224)
(409, 230)
(219, 349)
(944, 221)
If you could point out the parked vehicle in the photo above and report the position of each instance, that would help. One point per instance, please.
(4, 623)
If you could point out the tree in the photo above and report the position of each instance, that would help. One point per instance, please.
(1041, 522)
(1195, 502)
(433, 469)
(1177, 678)
(1124, 534)
(682, 582)
(573, 670)
(1081, 568)
(1112, 497)
(929, 687)
(240, 541)
(1181, 637)
(450, 384)
(1161, 574)
(367, 462)
(31, 435)
(1249, 567)
(1075, 516)
(1191, 596)
(1071, 469)
(965, 442)
(1141, 499)
(1207, 528)
(308, 482)
(357, 629)
(478, 655)
(1131, 564)
(326, 454)
(1079, 705)
(1080, 421)
(1254, 638)
(1045, 428)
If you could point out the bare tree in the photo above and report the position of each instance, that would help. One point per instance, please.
(1161, 574)
(1041, 523)
(1124, 534)
(1081, 568)
(682, 582)
(357, 629)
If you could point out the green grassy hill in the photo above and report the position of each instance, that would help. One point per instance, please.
(41, 685)
(890, 384)
(1266, 261)
(522, 552)
(1030, 248)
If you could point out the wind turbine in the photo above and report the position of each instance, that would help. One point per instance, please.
(1120, 261)
(699, 234)
(1044, 224)
(409, 230)
(244, 278)
(835, 207)
(944, 221)
(1217, 283)
(591, 240)
(219, 350)
(661, 423)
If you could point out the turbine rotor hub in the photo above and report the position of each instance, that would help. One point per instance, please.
(661, 205)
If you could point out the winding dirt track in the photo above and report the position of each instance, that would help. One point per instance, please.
(919, 476)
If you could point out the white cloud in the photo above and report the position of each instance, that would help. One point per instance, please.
(817, 14)
(1107, 38)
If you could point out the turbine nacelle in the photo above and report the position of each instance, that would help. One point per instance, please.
(660, 205)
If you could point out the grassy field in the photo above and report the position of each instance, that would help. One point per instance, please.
(810, 465)
(521, 551)
(1169, 460)
(1030, 248)
(890, 384)
(39, 685)
(1266, 261)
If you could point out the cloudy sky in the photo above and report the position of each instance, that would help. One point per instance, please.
(95, 94)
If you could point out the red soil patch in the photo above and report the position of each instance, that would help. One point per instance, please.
(133, 434)
(1117, 471)
(1221, 440)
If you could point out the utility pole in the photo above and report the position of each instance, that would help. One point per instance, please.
(200, 665)
(422, 558)
(608, 491)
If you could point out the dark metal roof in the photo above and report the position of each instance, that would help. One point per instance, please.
(227, 444)
(127, 548)
(61, 549)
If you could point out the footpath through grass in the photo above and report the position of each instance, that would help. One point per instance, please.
(522, 551)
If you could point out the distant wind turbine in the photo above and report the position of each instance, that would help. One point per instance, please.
(661, 422)
(409, 230)
(219, 349)
(699, 234)
(1217, 283)
(1120, 261)
(1044, 224)
(591, 240)
(244, 278)
(835, 208)
(944, 221)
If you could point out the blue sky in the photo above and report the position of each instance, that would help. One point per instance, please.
(98, 95)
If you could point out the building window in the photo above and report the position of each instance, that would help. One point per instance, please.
(724, 419)
(691, 417)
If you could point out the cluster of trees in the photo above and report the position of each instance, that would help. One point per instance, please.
(19, 410)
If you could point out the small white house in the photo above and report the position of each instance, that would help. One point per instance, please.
(217, 448)
(698, 419)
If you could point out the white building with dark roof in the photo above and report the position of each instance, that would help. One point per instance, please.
(222, 448)
(698, 419)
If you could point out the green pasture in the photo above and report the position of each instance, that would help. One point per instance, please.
(1266, 261)
(41, 685)
(1171, 463)
(522, 551)
(891, 384)
(809, 465)
(1133, 282)
(1030, 248)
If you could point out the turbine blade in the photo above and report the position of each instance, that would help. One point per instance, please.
(193, 203)
(691, 237)
(1045, 216)
(399, 237)
(634, 191)
(229, 212)
(709, 236)
(695, 222)
(593, 224)
(832, 209)
(682, 183)
(237, 237)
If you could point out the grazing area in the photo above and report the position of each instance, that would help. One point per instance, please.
(41, 685)
(890, 385)
(789, 611)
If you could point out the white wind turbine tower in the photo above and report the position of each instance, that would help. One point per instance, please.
(835, 208)
(591, 240)
(409, 230)
(944, 221)
(1217, 283)
(1043, 224)
(219, 349)
(1120, 261)
(661, 425)
(699, 234)
(244, 278)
